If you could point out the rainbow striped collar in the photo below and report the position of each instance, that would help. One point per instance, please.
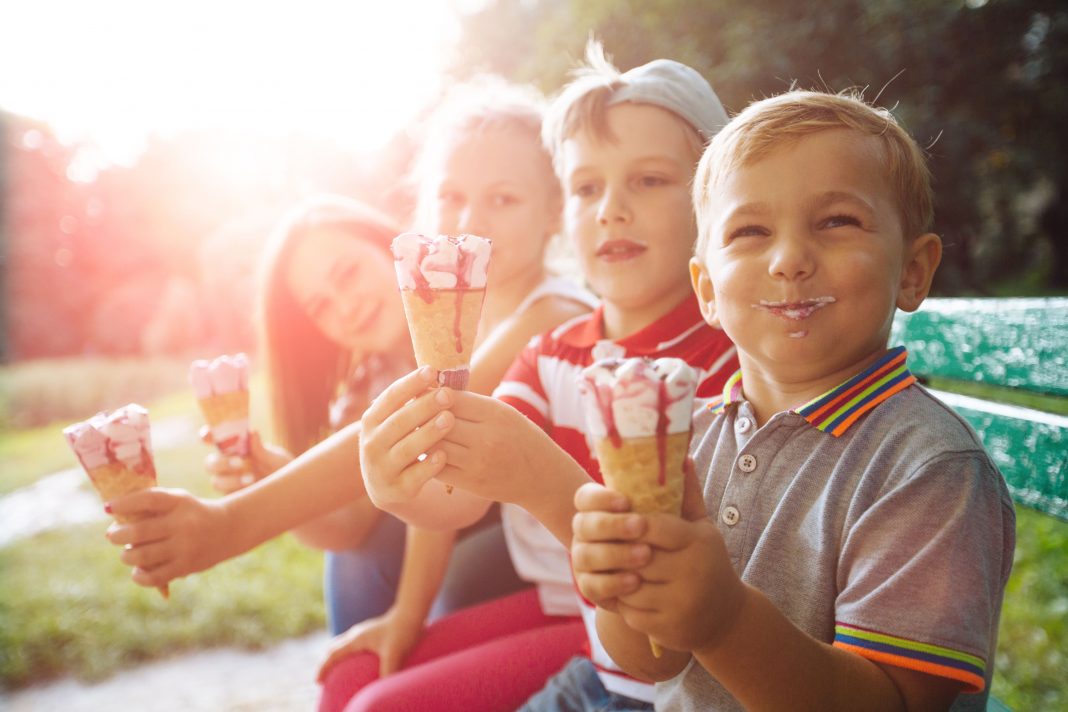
(837, 409)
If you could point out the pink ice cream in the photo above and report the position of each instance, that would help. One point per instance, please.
(442, 262)
(638, 397)
(221, 388)
(120, 435)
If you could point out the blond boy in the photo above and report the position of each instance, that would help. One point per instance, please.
(849, 542)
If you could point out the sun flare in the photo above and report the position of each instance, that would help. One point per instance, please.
(114, 71)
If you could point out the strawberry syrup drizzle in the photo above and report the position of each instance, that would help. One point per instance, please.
(463, 284)
(662, 403)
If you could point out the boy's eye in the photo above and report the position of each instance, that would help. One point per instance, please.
(584, 190)
(747, 231)
(502, 200)
(651, 181)
(450, 198)
(839, 221)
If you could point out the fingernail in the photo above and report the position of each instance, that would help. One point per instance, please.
(442, 396)
(236, 462)
(632, 524)
(107, 507)
(425, 373)
(442, 421)
(247, 479)
(437, 457)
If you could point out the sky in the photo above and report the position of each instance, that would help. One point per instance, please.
(111, 72)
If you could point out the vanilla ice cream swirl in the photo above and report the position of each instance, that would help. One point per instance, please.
(638, 397)
(441, 262)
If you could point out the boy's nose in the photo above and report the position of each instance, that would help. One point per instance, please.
(613, 209)
(791, 258)
(470, 222)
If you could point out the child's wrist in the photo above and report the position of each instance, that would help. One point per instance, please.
(737, 600)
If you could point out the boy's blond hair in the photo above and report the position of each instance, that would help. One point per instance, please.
(598, 85)
(780, 120)
(483, 104)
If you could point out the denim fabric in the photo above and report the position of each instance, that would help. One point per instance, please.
(361, 583)
(577, 688)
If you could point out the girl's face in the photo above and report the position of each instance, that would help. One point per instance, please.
(346, 286)
(499, 184)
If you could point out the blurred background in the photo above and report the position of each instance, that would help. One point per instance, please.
(146, 149)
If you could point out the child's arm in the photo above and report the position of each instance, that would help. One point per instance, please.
(393, 635)
(184, 534)
(671, 578)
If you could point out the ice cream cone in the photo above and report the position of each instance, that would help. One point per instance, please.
(221, 387)
(443, 282)
(638, 416)
(443, 330)
(115, 450)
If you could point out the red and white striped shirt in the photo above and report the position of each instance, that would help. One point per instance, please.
(543, 384)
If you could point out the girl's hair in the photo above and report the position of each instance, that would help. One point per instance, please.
(781, 120)
(304, 367)
(485, 103)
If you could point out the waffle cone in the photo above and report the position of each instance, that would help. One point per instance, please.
(633, 469)
(443, 329)
(224, 407)
(116, 479)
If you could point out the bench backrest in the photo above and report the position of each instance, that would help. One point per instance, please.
(1018, 343)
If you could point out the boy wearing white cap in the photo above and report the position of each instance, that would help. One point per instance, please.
(625, 147)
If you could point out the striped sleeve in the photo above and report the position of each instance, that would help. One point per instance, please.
(922, 657)
(522, 388)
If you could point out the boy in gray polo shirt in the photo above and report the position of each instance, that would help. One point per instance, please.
(850, 540)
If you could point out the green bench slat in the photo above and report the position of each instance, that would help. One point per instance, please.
(1030, 448)
(1019, 342)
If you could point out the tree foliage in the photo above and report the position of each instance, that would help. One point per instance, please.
(980, 84)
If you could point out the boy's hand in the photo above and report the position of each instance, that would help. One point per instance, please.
(175, 534)
(689, 594)
(391, 636)
(606, 554)
(494, 451)
(404, 422)
(230, 473)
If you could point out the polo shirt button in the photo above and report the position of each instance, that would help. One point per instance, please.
(747, 463)
(731, 516)
(743, 424)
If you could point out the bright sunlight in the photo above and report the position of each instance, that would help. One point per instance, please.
(112, 72)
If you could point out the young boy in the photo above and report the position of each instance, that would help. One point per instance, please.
(858, 538)
(625, 147)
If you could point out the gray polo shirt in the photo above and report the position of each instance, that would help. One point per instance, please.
(872, 517)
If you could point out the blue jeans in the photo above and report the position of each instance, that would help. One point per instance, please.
(362, 583)
(577, 688)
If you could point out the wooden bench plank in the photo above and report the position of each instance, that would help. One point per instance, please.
(1019, 342)
(1030, 448)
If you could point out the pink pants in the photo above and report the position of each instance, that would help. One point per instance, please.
(487, 657)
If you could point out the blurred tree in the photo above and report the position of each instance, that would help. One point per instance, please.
(981, 84)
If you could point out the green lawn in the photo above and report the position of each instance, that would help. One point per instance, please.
(67, 606)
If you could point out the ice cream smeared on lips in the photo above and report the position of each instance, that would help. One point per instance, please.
(443, 282)
(639, 398)
(221, 388)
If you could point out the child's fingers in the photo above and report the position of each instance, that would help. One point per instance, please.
(607, 526)
(604, 589)
(146, 556)
(592, 497)
(399, 425)
(205, 435)
(138, 533)
(154, 578)
(419, 441)
(397, 394)
(415, 476)
(693, 496)
(609, 557)
(232, 483)
(155, 500)
(668, 532)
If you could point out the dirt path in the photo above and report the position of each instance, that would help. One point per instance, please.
(280, 679)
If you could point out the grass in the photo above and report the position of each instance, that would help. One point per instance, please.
(67, 606)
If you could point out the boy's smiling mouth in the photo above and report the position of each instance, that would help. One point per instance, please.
(794, 310)
(619, 250)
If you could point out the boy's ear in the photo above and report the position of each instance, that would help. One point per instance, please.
(702, 287)
(921, 260)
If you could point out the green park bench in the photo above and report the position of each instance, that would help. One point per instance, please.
(1018, 346)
